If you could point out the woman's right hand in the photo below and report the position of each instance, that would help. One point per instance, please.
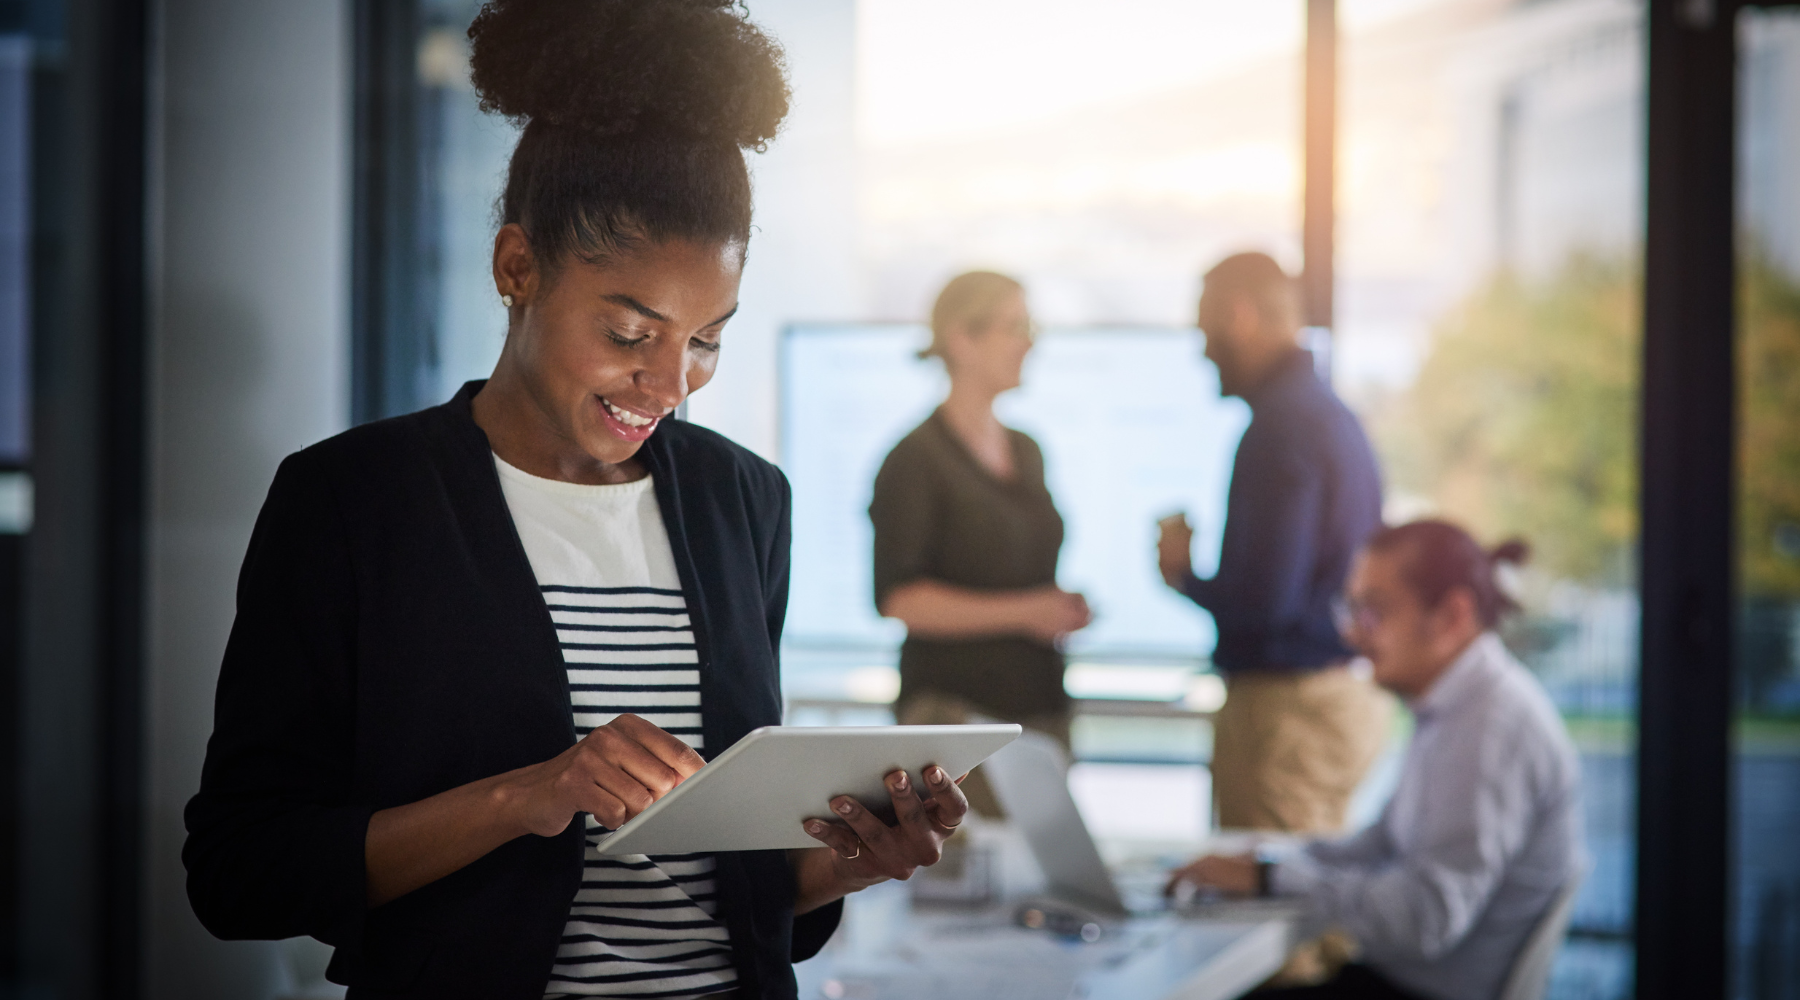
(614, 773)
(1051, 613)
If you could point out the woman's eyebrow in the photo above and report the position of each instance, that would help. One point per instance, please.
(619, 298)
(635, 306)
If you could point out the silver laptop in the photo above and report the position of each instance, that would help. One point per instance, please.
(1030, 777)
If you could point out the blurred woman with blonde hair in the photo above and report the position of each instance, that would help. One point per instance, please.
(967, 536)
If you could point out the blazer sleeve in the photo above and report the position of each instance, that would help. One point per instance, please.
(813, 930)
(275, 844)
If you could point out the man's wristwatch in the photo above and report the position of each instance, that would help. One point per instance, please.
(1265, 878)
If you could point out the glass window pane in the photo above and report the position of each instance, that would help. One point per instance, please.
(462, 158)
(429, 319)
(15, 247)
(1104, 160)
(1766, 891)
(1490, 182)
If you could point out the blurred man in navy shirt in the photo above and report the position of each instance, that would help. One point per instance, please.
(1299, 727)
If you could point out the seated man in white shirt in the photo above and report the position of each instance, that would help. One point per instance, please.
(1484, 828)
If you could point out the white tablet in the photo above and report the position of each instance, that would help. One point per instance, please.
(756, 794)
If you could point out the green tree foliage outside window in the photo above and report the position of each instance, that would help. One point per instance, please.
(1523, 420)
(1768, 430)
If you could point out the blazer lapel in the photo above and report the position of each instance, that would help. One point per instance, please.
(658, 457)
(473, 485)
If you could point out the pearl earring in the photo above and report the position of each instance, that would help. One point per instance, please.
(506, 300)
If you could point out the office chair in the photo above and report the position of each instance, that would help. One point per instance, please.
(1530, 973)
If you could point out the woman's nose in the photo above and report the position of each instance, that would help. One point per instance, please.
(664, 378)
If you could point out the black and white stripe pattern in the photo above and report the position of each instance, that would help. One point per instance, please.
(640, 926)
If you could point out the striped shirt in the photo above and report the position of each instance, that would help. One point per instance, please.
(639, 926)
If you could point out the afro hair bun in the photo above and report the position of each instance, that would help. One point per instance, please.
(696, 69)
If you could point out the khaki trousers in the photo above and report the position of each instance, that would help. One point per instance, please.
(929, 708)
(1289, 749)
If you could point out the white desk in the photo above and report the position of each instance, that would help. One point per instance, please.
(947, 953)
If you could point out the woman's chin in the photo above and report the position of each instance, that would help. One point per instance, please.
(603, 445)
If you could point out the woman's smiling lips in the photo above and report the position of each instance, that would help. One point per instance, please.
(627, 423)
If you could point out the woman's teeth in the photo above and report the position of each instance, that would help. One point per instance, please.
(627, 417)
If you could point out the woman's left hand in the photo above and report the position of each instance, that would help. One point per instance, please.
(862, 850)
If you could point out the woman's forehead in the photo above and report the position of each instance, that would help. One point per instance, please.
(664, 279)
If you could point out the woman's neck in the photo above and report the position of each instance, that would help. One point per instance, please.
(970, 413)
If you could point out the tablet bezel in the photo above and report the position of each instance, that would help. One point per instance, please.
(709, 812)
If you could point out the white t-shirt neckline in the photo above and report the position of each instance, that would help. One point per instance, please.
(597, 491)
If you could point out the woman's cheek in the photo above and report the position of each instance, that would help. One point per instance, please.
(700, 370)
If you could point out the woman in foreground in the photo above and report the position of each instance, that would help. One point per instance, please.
(471, 639)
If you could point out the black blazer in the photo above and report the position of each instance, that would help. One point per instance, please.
(391, 642)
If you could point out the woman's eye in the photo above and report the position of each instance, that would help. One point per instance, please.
(709, 346)
(619, 338)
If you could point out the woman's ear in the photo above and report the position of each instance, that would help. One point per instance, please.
(515, 266)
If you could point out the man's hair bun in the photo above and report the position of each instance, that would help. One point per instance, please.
(1514, 551)
(692, 69)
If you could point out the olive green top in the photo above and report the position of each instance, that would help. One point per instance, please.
(939, 514)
